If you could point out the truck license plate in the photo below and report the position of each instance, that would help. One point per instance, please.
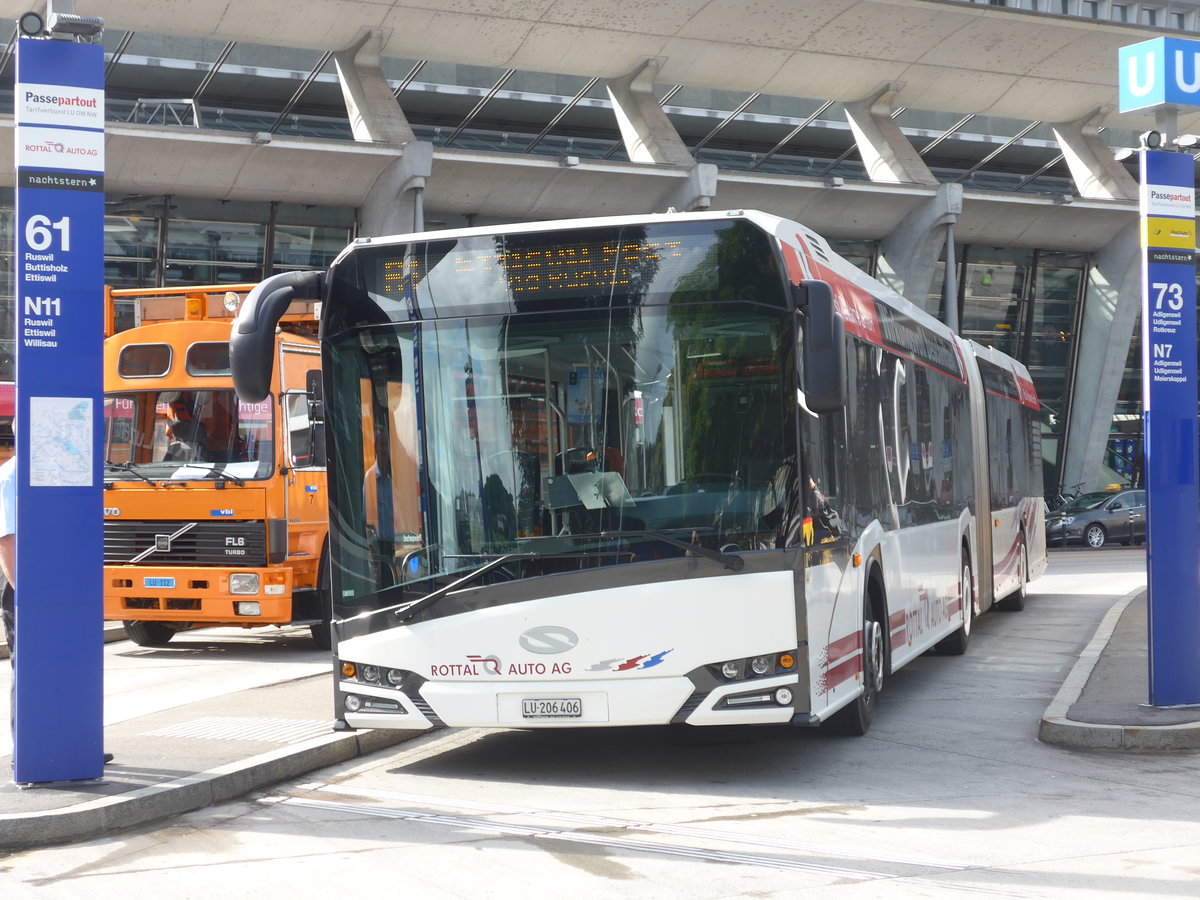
(158, 582)
(552, 708)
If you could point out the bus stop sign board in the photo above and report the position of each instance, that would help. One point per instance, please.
(59, 326)
(1170, 424)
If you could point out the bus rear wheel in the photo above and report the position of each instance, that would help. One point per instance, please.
(149, 634)
(1015, 602)
(956, 643)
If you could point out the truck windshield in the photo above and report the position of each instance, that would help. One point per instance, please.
(186, 436)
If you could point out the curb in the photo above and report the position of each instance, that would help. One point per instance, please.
(113, 631)
(1056, 728)
(104, 815)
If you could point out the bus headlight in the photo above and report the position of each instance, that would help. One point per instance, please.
(756, 666)
(353, 703)
(243, 583)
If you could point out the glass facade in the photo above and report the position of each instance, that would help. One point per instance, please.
(1025, 302)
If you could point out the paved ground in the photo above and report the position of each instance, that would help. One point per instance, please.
(176, 760)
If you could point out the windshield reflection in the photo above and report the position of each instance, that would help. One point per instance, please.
(186, 436)
(628, 434)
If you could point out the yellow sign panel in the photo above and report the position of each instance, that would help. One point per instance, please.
(1178, 234)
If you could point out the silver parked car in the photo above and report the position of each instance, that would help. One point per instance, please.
(1100, 517)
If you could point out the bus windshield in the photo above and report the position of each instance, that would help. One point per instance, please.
(570, 438)
(172, 435)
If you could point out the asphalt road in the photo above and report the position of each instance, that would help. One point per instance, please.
(950, 795)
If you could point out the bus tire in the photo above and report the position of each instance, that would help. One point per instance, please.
(956, 643)
(148, 634)
(1015, 602)
(855, 719)
(322, 631)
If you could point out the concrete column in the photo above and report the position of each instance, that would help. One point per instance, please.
(887, 153)
(1096, 174)
(648, 134)
(909, 255)
(1110, 311)
(374, 113)
(695, 193)
(396, 202)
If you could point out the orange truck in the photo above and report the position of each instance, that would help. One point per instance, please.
(215, 509)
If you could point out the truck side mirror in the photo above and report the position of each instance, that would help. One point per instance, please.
(823, 349)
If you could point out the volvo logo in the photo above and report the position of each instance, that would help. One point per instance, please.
(162, 542)
(548, 639)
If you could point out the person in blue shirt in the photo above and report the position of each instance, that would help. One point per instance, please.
(8, 549)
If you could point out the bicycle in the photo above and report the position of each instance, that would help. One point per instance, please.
(1061, 498)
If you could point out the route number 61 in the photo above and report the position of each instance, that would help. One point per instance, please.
(1173, 292)
(39, 236)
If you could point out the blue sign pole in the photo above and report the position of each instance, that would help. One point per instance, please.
(59, 327)
(1169, 403)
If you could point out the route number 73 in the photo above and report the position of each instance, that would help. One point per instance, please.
(1172, 292)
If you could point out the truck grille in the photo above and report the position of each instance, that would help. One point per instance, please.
(179, 542)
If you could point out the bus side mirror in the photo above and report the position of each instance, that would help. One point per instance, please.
(823, 350)
(252, 341)
(316, 444)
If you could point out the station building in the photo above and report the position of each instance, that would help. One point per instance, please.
(920, 137)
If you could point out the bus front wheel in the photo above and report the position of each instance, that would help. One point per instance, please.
(855, 719)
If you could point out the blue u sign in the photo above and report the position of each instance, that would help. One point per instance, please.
(1158, 72)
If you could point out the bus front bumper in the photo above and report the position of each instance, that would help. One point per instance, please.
(567, 704)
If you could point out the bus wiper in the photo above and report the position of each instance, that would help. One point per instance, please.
(728, 560)
(407, 612)
(127, 467)
(216, 473)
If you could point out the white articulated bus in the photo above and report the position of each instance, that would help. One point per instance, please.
(681, 468)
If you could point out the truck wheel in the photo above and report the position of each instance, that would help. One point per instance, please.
(148, 634)
(322, 631)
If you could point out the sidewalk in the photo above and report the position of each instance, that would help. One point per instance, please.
(1102, 704)
(214, 750)
(187, 758)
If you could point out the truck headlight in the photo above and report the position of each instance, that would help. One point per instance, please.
(243, 583)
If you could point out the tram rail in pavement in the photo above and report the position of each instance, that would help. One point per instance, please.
(210, 751)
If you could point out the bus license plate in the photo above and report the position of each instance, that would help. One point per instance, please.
(158, 582)
(552, 708)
